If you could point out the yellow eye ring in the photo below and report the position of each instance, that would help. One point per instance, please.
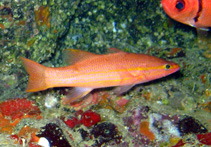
(167, 66)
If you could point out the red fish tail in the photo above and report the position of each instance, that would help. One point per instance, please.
(36, 73)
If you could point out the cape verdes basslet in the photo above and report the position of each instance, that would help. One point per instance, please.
(196, 13)
(89, 71)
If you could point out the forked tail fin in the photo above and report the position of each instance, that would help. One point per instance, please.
(36, 73)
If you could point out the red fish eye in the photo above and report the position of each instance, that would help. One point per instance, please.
(180, 4)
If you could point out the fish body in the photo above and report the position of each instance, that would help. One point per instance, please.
(90, 71)
(195, 13)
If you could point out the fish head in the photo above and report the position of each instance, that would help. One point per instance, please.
(158, 68)
(167, 68)
(183, 11)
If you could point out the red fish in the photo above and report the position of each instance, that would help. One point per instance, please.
(196, 13)
(90, 71)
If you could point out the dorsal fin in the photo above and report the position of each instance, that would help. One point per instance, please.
(71, 56)
(113, 50)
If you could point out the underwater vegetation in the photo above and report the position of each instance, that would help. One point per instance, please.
(172, 111)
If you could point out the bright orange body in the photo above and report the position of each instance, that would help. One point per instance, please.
(191, 12)
(90, 71)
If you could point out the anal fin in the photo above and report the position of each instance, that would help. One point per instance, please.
(76, 94)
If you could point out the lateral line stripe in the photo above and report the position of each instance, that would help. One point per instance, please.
(129, 69)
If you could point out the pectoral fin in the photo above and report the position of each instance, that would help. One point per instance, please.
(135, 77)
(76, 94)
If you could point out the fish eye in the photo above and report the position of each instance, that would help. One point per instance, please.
(180, 4)
(167, 66)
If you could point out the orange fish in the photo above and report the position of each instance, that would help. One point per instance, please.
(89, 71)
(195, 13)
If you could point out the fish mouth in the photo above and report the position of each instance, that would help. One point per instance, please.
(175, 68)
(165, 5)
(163, 2)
